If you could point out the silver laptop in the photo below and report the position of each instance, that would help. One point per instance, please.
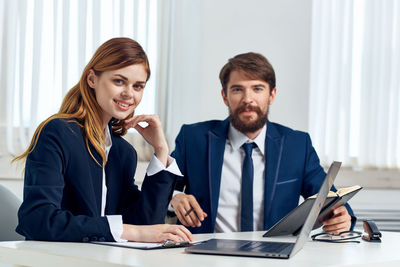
(283, 250)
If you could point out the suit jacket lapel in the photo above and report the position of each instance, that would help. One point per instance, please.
(113, 177)
(216, 148)
(273, 146)
(97, 177)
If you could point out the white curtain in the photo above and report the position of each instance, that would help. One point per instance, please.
(354, 110)
(165, 84)
(45, 45)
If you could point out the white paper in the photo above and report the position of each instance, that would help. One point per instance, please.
(140, 245)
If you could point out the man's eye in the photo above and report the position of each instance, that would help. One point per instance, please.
(258, 89)
(236, 89)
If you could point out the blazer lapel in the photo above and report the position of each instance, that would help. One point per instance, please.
(273, 147)
(97, 177)
(216, 148)
(113, 177)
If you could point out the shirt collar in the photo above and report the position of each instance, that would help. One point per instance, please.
(237, 138)
(108, 142)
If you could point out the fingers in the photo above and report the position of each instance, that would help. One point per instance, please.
(188, 216)
(337, 228)
(183, 233)
(181, 212)
(176, 233)
(169, 236)
(152, 120)
(156, 233)
(188, 210)
(177, 203)
(339, 222)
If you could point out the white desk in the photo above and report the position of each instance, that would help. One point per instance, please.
(35, 253)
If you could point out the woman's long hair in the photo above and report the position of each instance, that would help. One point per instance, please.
(80, 102)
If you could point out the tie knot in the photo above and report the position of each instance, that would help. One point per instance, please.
(248, 147)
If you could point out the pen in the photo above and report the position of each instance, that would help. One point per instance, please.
(189, 211)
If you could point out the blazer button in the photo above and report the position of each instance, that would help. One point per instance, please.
(102, 239)
(85, 239)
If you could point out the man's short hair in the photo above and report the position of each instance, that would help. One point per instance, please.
(253, 65)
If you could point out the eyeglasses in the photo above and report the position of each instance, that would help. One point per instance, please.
(342, 237)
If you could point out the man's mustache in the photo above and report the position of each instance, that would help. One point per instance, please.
(248, 108)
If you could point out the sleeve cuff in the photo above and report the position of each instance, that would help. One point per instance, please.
(155, 166)
(353, 222)
(116, 228)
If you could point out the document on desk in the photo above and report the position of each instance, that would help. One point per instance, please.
(144, 245)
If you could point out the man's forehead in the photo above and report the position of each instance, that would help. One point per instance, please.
(240, 76)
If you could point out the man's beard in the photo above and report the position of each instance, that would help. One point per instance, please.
(248, 127)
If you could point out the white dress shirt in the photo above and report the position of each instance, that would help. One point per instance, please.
(229, 203)
(155, 166)
(228, 214)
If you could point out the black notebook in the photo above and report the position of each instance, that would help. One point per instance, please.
(294, 220)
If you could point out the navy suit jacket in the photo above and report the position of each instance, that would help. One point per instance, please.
(292, 168)
(63, 188)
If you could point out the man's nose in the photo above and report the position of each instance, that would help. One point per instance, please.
(248, 96)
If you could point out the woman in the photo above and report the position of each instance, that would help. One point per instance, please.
(79, 171)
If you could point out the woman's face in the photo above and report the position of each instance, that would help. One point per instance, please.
(118, 92)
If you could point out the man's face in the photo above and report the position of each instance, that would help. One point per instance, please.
(248, 102)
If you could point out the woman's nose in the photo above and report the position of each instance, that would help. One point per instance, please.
(127, 92)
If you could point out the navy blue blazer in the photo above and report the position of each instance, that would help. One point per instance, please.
(292, 168)
(63, 188)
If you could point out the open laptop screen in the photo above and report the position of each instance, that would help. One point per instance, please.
(316, 208)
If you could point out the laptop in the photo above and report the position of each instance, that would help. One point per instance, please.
(269, 249)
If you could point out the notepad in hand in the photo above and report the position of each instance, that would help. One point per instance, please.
(341, 192)
(293, 221)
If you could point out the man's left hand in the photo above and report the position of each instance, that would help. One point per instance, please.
(339, 222)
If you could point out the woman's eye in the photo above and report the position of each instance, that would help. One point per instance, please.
(138, 87)
(119, 81)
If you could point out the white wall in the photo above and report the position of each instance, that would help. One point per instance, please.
(209, 32)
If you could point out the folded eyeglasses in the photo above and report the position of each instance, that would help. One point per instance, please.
(342, 237)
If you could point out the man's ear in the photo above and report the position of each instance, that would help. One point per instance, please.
(272, 96)
(224, 97)
(91, 79)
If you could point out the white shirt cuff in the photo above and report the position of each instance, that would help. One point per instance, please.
(116, 228)
(155, 166)
(170, 208)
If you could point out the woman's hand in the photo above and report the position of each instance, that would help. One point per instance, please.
(156, 233)
(152, 133)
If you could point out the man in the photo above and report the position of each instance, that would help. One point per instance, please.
(245, 173)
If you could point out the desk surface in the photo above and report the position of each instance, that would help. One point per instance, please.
(35, 253)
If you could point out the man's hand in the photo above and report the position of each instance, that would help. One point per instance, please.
(188, 210)
(339, 222)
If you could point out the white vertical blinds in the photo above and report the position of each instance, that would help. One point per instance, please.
(354, 111)
(45, 46)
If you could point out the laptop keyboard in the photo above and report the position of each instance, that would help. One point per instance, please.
(261, 246)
